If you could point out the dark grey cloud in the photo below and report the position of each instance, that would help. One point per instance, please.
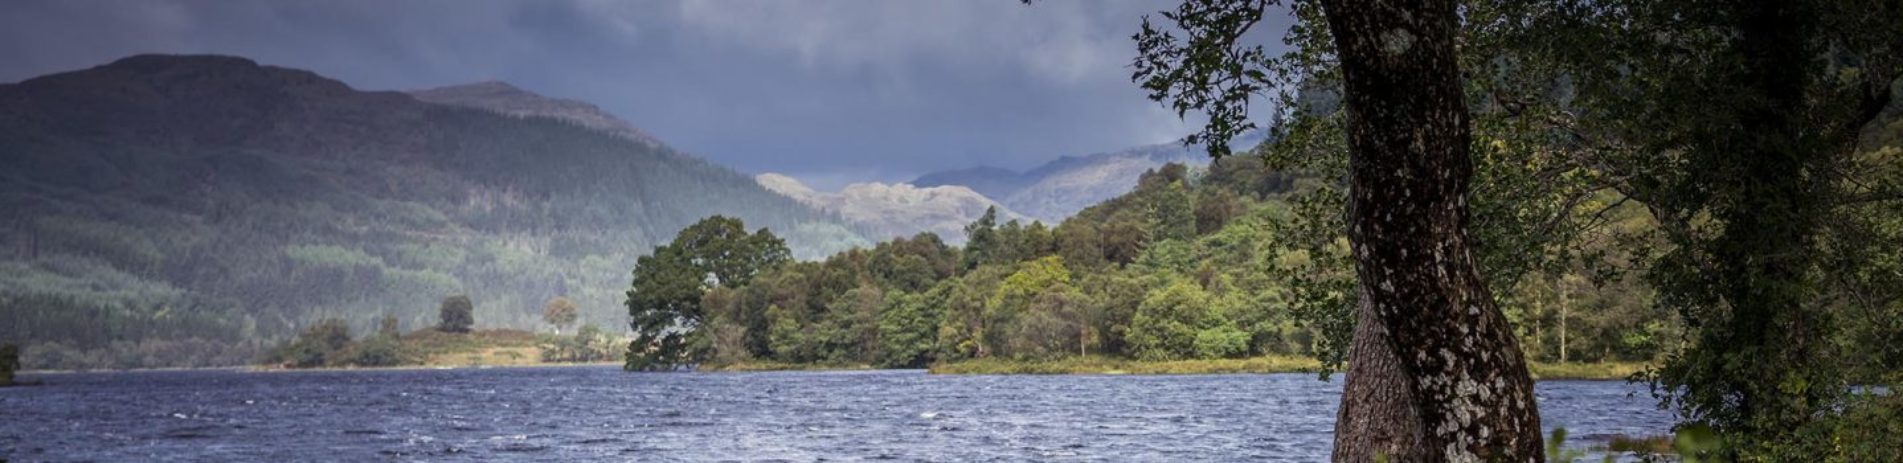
(828, 91)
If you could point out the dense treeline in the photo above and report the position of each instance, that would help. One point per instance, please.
(146, 232)
(1192, 264)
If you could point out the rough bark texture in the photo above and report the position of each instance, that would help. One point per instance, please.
(1409, 136)
(1377, 415)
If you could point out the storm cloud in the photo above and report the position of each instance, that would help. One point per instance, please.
(827, 91)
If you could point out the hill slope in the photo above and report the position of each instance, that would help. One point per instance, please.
(182, 210)
(899, 210)
(1057, 189)
(507, 99)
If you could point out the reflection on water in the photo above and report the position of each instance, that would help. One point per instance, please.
(601, 413)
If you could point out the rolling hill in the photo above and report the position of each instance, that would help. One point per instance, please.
(1055, 190)
(188, 210)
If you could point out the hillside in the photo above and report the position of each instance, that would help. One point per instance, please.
(1053, 191)
(188, 210)
(507, 99)
(897, 210)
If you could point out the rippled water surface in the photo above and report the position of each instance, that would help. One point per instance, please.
(601, 413)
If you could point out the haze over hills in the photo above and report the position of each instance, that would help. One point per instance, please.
(1057, 189)
(896, 210)
(507, 99)
(203, 205)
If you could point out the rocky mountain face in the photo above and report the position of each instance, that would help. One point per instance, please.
(201, 206)
(1062, 187)
(885, 211)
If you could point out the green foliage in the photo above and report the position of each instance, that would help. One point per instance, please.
(589, 344)
(128, 206)
(455, 315)
(560, 312)
(1166, 325)
(318, 345)
(1172, 214)
(665, 300)
(908, 328)
(9, 362)
(376, 351)
(1730, 164)
(981, 240)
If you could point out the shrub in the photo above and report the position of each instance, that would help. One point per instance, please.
(457, 315)
(9, 361)
(1222, 342)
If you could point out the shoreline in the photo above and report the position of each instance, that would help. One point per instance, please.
(275, 369)
(1094, 365)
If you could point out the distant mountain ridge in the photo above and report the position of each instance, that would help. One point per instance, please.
(505, 98)
(1057, 189)
(896, 210)
(198, 205)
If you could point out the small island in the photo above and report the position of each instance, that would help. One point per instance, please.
(451, 343)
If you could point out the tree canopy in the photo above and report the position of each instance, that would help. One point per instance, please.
(665, 298)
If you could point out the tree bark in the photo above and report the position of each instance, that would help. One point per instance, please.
(1377, 415)
(1457, 389)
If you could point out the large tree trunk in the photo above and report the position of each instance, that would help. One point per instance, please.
(1377, 415)
(1452, 352)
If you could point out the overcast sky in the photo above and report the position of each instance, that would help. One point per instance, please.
(827, 91)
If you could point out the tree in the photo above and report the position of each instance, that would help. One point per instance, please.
(559, 311)
(1445, 381)
(664, 300)
(908, 326)
(981, 239)
(387, 327)
(9, 362)
(456, 315)
(318, 345)
(1172, 214)
(1738, 125)
(1166, 324)
(1079, 244)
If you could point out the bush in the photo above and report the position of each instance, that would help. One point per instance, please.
(457, 314)
(9, 361)
(316, 346)
(589, 344)
(1222, 342)
(378, 351)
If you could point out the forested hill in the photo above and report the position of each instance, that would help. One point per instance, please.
(183, 210)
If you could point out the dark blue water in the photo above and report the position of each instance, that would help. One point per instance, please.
(601, 413)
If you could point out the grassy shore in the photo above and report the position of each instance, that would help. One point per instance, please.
(431, 348)
(1596, 370)
(1265, 364)
(1112, 366)
(757, 365)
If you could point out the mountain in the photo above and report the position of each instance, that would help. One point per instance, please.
(899, 210)
(1057, 189)
(993, 182)
(507, 99)
(184, 210)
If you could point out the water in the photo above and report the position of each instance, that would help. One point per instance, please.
(601, 413)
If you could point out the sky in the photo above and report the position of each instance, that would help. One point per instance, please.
(829, 91)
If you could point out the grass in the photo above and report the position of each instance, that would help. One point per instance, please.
(486, 347)
(767, 365)
(1596, 370)
(1643, 445)
(1264, 364)
(1109, 365)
